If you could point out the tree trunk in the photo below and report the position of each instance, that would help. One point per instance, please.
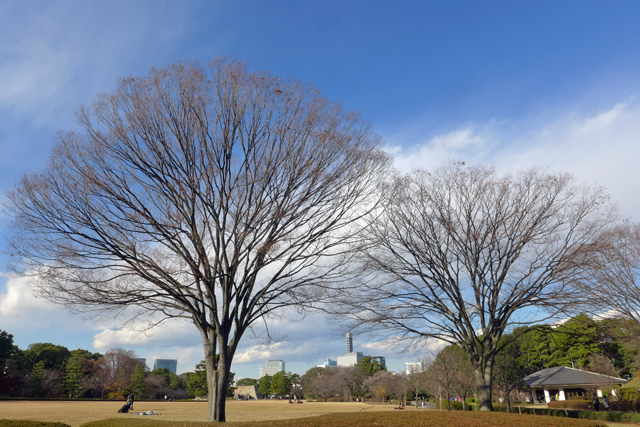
(220, 398)
(217, 381)
(508, 397)
(483, 385)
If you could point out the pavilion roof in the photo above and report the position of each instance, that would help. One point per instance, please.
(565, 376)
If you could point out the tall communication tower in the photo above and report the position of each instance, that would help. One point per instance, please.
(349, 343)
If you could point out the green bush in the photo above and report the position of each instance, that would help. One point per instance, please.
(29, 423)
(626, 406)
(614, 416)
(583, 405)
(457, 406)
(629, 393)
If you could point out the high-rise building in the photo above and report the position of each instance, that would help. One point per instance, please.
(272, 367)
(350, 359)
(349, 343)
(413, 367)
(170, 364)
(143, 362)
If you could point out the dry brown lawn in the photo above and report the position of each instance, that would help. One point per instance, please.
(78, 413)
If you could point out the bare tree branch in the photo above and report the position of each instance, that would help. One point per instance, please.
(212, 194)
(455, 253)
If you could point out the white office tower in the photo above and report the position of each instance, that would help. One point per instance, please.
(272, 367)
(350, 358)
(328, 363)
(413, 367)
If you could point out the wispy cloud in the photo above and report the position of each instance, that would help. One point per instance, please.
(600, 148)
(459, 143)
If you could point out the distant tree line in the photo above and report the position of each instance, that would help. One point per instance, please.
(46, 370)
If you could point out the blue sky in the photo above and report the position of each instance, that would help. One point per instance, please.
(514, 84)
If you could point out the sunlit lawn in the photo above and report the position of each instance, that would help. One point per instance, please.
(270, 413)
(77, 413)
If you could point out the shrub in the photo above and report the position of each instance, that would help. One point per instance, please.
(626, 406)
(584, 405)
(629, 393)
(457, 406)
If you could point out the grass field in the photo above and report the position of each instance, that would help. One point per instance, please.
(269, 413)
(77, 413)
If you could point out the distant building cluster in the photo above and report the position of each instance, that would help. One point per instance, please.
(351, 357)
(328, 363)
(170, 364)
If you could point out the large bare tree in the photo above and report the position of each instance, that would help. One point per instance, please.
(613, 286)
(457, 252)
(214, 194)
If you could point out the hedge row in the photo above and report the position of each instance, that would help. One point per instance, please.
(29, 423)
(622, 406)
(386, 418)
(615, 416)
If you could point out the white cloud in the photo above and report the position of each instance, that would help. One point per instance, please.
(456, 140)
(600, 148)
(459, 143)
(256, 354)
(603, 121)
(20, 308)
(168, 334)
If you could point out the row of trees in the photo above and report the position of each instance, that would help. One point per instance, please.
(228, 197)
(49, 370)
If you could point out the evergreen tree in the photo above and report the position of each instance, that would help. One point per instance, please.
(281, 383)
(197, 382)
(73, 378)
(6, 347)
(138, 382)
(36, 380)
(370, 366)
(247, 382)
(264, 385)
